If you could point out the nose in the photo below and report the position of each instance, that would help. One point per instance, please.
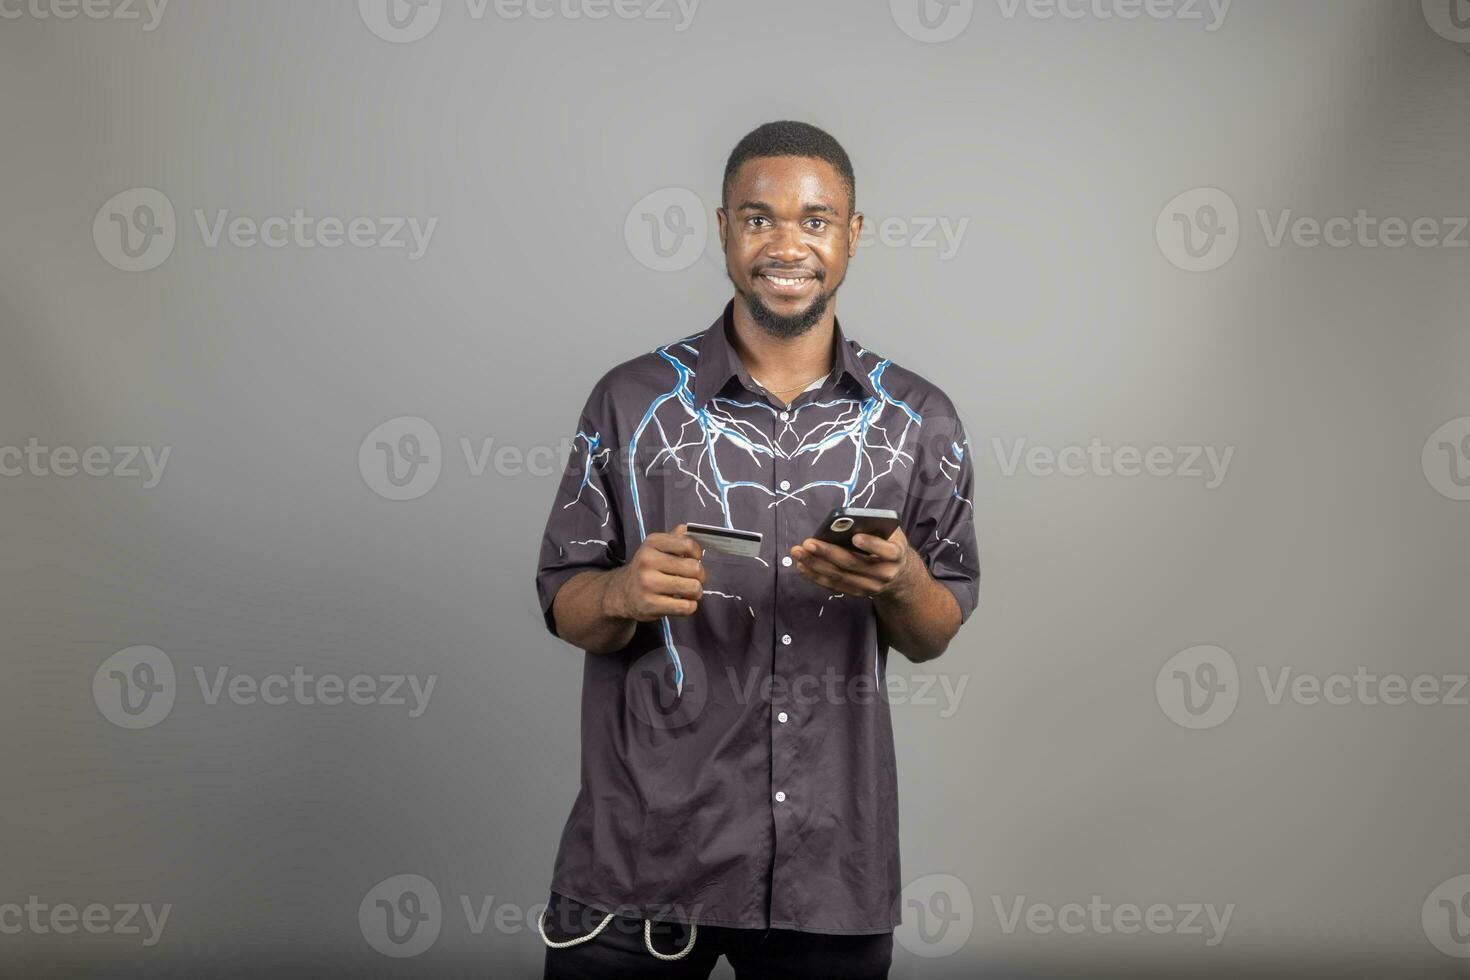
(787, 245)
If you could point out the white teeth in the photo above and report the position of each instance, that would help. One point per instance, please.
(785, 282)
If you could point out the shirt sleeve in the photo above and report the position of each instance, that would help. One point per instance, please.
(939, 512)
(584, 531)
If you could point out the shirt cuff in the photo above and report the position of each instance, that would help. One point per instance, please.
(964, 592)
(549, 583)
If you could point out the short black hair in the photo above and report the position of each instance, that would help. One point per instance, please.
(788, 138)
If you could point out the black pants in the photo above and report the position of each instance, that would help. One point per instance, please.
(618, 951)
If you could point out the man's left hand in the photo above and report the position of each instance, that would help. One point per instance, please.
(877, 567)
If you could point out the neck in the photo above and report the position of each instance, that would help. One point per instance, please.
(783, 362)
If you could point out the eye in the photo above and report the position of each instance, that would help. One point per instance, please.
(816, 224)
(755, 218)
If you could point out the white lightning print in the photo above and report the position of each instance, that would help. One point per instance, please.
(693, 439)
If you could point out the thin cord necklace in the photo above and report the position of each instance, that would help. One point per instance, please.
(796, 387)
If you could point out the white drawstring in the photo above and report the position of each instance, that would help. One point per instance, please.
(648, 941)
(647, 937)
(541, 928)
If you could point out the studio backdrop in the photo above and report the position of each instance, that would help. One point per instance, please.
(299, 303)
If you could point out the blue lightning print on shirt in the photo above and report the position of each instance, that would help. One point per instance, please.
(694, 438)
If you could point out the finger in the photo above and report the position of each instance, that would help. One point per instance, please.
(884, 550)
(846, 581)
(812, 575)
(676, 543)
(841, 584)
(675, 565)
(676, 585)
(837, 555)
(663, 605)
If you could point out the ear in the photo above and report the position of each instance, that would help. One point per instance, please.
(854, 229)
(723, 220)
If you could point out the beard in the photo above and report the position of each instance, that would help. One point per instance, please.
(786, 327)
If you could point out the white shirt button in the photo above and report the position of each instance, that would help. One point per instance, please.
(786, 561)
(781, 717)
(785, 484)
(780, 796)
(785, 416)
(786, 639)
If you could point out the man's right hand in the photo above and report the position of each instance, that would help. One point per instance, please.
(663, 578)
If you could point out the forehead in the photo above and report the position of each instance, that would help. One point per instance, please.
(788, 181)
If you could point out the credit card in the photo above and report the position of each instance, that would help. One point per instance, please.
(726, 540)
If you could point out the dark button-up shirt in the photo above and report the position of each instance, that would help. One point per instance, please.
(737, 764)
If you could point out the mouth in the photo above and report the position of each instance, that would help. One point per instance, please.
(787, 283)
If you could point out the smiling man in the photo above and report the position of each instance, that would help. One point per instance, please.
(738, 788)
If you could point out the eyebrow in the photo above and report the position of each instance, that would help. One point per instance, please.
(808, 209)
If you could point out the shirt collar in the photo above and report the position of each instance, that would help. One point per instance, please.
(718, 363)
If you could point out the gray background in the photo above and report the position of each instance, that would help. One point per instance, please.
(1057, 776)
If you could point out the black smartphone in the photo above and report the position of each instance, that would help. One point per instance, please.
(844, 522)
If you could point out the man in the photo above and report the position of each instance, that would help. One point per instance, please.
(738, 790)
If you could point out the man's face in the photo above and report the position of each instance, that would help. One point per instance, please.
(787, 236)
